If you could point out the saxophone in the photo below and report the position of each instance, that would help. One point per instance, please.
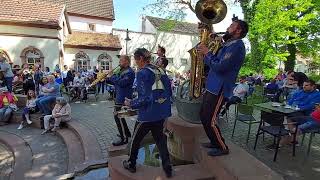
(209, 12)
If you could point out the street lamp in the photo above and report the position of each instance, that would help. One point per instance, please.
(127, 39)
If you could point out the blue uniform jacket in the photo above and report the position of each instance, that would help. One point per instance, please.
(123, 84)
(152, 105)
(305, 100)
(224, 67)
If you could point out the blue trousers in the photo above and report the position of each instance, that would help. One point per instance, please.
(8, 81)
(44, 103)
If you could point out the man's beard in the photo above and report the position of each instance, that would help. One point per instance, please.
(227, 36)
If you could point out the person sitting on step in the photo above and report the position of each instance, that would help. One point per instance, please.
(7, 105)
(60, 113)
(50, 91)
(30, 108)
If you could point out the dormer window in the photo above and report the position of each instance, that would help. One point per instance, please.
(92, 27)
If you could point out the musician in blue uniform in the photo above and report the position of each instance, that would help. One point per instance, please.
(154, 107)
(224, 68)
(122, 82)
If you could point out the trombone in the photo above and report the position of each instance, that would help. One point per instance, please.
(104, 76)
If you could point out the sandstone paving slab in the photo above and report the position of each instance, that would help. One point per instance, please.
(299, 167)
(50, 156)
(98, 118)
(6, 162)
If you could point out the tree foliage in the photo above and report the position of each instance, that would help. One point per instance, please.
(280, 28)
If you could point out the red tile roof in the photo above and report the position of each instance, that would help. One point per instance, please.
(92, 40)
(30, 12)
(95, 8)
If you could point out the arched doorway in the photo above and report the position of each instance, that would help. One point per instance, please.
(82, 61)
(105, 61)
(31, 56)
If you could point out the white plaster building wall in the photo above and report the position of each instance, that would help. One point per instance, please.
(177, 45)
(81, 23)
(14, 45)
(93, 56)
(149, 28)
(63, 34)
(138, 40)
(28, 30)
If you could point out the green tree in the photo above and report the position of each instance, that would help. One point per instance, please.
(283, 27)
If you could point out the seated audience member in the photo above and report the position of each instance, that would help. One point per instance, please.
(305, 124)
(60, 113)
(58, 78)
(43, 83)
(47, 72)
(250, 79)
(305, 99)
(290, 86)
(77, 85)
(50, 91)
(239, 92)
(87, 87)
(273, 85)
(28, 83)
(300, 77)
(7, 105)
(30, 108)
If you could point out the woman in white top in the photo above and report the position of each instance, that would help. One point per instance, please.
(30, 108)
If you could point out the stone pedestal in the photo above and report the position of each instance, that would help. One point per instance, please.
(183, 137)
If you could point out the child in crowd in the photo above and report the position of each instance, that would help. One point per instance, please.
(29, 109)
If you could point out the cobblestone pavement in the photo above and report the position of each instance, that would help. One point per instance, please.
(98, 118)
(6, 162)
(50, 156)
(300, 167)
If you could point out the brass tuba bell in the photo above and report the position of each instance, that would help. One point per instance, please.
(211, 11)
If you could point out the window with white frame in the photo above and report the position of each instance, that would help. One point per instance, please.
(184, 61)
(92, 27)
(105, 61)
(82, 61)
(32, 56)
(170, 60)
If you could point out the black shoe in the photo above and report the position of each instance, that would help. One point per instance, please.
(209, 145)
(128, 166)
(218, 152)
(168, 172)
(120, 142)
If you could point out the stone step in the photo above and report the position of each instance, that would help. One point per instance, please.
(74, 147)
(183, 172)
(35, 118)
(21, 152)
(89, 143)
(238, 165)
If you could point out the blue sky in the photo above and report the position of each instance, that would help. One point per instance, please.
(128, 15)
